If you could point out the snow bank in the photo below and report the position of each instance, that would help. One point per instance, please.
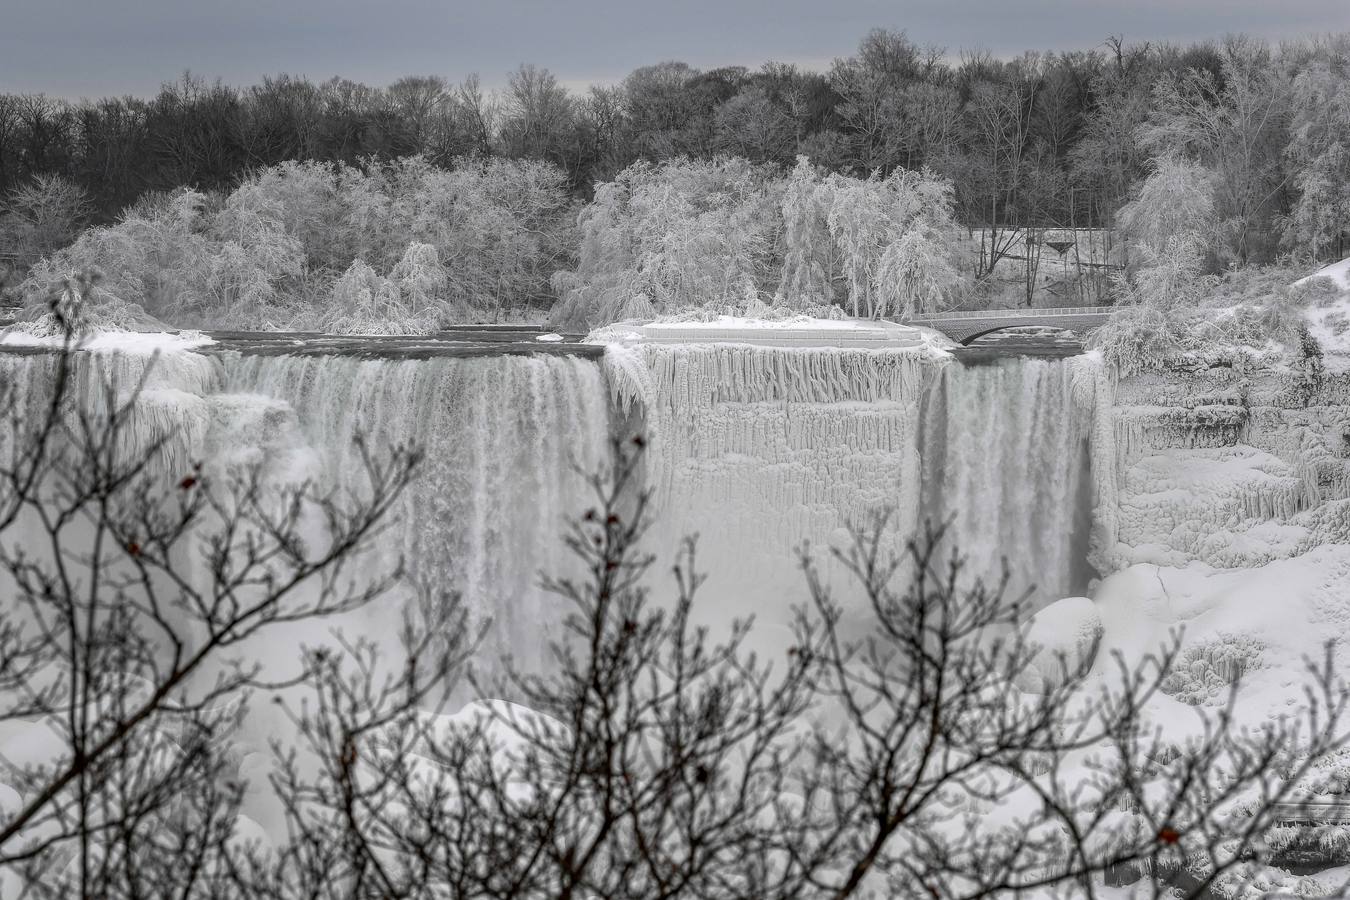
(1337, 272)
(1259, 624)
(1065, 635)
(137, 343)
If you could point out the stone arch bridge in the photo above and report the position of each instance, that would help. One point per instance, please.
(964, 327)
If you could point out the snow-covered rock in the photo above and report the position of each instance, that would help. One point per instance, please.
(1064, 636)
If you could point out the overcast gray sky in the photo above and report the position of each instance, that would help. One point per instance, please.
(77, 48)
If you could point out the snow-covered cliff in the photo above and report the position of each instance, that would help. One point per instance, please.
(1227, 468)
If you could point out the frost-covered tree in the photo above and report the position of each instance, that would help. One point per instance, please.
(663, 238)
(1234, 122)
(364, 302)
(40, 218)
(724, 234)
(914, 275)
(180, 260)
(501, 226)
(858, 227)
(1170, 225)
(807, 251)
(251, 257)
(156, 256)
(317, 204)
(894, 237)
(489, 232)
(1318, 152)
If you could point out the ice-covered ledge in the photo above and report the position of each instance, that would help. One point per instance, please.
(799, 331)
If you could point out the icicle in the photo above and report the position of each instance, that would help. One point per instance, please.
(761, 449)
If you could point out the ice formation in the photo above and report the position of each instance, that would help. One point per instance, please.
(763, 446)
(761, 450)
(1231, 469)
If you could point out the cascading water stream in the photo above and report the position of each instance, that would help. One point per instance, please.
(1006, 461)
(507, 441)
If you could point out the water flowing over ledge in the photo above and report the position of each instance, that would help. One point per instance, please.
(760, 450)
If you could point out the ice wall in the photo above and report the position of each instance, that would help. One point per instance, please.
(170, 410)
(1229, 468)
(761, 450)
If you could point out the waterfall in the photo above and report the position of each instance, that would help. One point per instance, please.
(1005, 452)
(508, 441)
(170, 411)
(762, 451)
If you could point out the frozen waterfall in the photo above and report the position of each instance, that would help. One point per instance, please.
(761, 451)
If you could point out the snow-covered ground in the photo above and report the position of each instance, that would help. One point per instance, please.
(131, 342)
(792, 331)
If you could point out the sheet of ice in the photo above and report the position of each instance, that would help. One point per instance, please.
(792, 331)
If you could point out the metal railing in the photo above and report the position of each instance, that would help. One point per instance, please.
(1015, 313)
(1317, 812)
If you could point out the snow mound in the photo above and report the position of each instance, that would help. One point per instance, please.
(1065, 635)
(1258, 625)
(1338, 272)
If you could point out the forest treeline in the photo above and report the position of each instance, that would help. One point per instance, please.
(1059, 140)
